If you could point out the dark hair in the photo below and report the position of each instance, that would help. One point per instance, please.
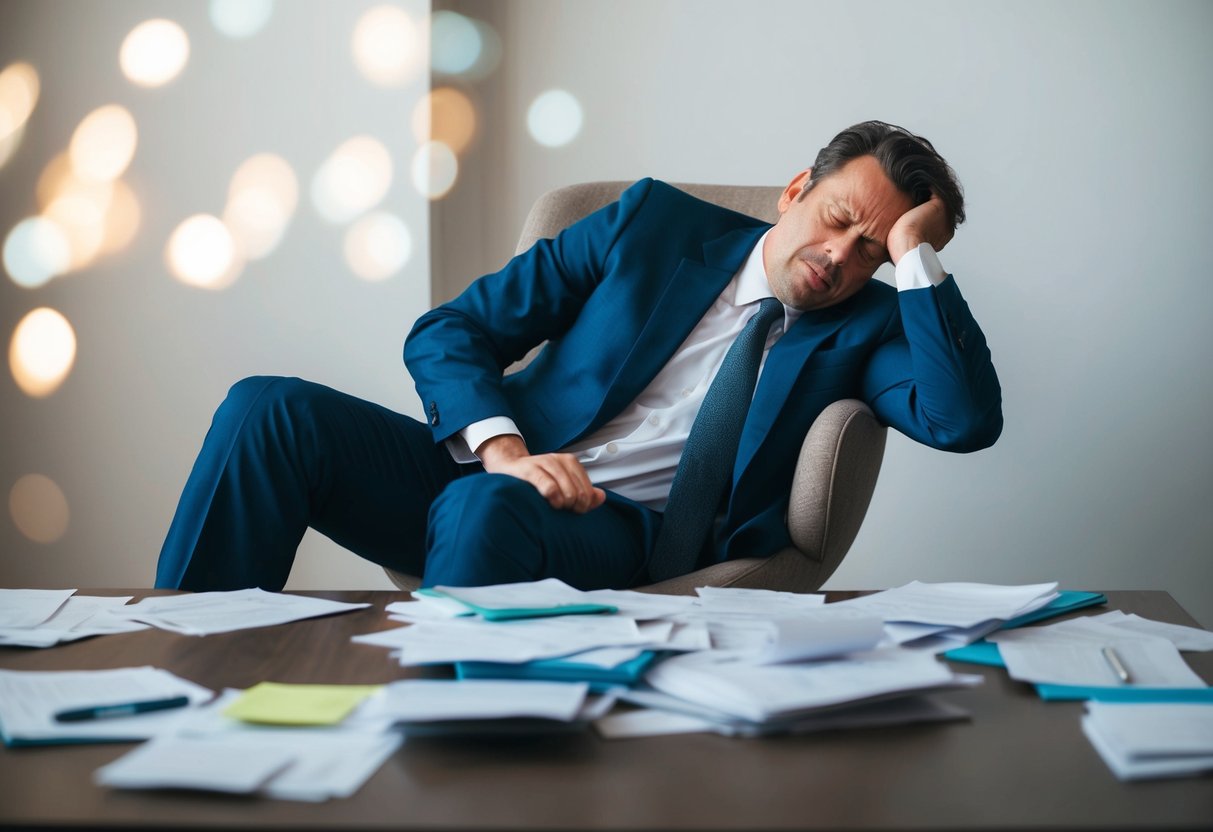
(910, 162)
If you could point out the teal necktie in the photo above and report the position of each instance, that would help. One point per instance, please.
(706, 465)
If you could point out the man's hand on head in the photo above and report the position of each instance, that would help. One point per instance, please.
(925, 223)
(560, 478)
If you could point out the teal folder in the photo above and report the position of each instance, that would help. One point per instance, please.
(1067, 600)
(511, 613)
(1062, 693)
(561, 670)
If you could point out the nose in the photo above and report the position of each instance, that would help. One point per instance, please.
(839, 249)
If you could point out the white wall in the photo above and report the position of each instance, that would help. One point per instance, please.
(1080, 131)
(155, 357)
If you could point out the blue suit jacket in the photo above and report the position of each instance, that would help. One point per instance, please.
(616, 294)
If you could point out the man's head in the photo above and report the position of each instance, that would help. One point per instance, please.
(835, 217)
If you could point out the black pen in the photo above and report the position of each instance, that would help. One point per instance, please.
(122, 709)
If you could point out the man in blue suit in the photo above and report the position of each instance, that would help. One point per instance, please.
(563, 469)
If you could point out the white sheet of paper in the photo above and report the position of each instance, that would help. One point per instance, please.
(26, 608)
(30, 699)
(1185, 638)
(550, 592)
(815, 634)
(206, 613)
(441, 642)
(429, 700)
(761, 602)
(1070, 653)
(640, 605)
(80, 616)
(954, 604)
(728, 682)
(196, 763)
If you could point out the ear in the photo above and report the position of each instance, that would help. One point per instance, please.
(794, 189)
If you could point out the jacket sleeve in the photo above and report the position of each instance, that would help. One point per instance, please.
(932, 377)
(457, 352)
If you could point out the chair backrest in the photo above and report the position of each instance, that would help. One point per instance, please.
(562, 207)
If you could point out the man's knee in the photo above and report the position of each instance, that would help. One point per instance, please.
(485, 528)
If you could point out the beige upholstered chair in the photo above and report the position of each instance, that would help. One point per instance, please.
(839, 460)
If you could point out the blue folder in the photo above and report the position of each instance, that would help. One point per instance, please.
(512, 613)
(561, 670)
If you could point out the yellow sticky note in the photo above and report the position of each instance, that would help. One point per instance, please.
(272, 703)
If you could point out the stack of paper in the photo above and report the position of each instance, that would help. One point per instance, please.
(733, 685)
(206, 613)
(944, 616)
(1149, 741)
(213, 751)
(45, 617)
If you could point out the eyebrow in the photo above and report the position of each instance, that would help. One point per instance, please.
(850, 217)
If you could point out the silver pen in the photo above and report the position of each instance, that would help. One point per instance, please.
(1114, 662)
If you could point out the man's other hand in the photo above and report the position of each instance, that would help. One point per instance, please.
(926, 223)
(560, 478)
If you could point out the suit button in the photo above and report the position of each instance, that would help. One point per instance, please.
(434, 414)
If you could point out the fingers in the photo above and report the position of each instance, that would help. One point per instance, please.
(562, 481)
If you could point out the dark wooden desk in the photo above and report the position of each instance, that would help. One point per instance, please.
(1018, 763)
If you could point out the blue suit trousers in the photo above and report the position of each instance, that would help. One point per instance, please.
(284, 454)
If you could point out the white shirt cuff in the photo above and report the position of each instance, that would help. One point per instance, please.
(919, 268)
(461, 446)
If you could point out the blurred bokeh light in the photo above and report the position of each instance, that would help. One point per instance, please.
(435, 169)
(154, 53)
(446, 115)
(455, 43)
(202, 252)
(554, 118)
(122, 220)
(104, 144)
(38, 508)
(42, 352)
(36, 250)
(352, 180)
(19, 87)
(378, 246)
(240, 18)
(389, 48)
(261, 200)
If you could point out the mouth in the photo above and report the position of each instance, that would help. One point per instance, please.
(819, 278)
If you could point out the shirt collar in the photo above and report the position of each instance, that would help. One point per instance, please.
(750, 284)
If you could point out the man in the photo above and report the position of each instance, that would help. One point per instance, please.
(564, 469)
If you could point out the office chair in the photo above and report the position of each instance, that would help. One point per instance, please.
(839, 460)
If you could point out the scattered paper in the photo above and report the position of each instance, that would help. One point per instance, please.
(81, 616)
(207, 613)
(954, 604)
(195, 763)
(26, 608)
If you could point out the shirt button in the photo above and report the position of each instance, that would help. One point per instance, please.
(612, 448)
(654, 420)
(686, 391)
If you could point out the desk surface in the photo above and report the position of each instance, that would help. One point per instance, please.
(1019, 762)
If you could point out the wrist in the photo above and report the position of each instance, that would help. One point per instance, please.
(500, 449)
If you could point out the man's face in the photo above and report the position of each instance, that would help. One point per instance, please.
(829, 242)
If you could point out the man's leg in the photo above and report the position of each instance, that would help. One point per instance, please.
(283, 454)
(493, 528)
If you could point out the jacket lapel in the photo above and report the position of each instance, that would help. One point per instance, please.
(688, 294)
(784, 364)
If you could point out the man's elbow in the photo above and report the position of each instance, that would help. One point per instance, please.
(972, 431)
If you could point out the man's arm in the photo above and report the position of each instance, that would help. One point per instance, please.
(932, 377)
(457, 352)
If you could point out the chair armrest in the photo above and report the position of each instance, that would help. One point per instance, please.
(835, 477)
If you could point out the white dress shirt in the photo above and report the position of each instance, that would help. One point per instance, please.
(636, 454)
